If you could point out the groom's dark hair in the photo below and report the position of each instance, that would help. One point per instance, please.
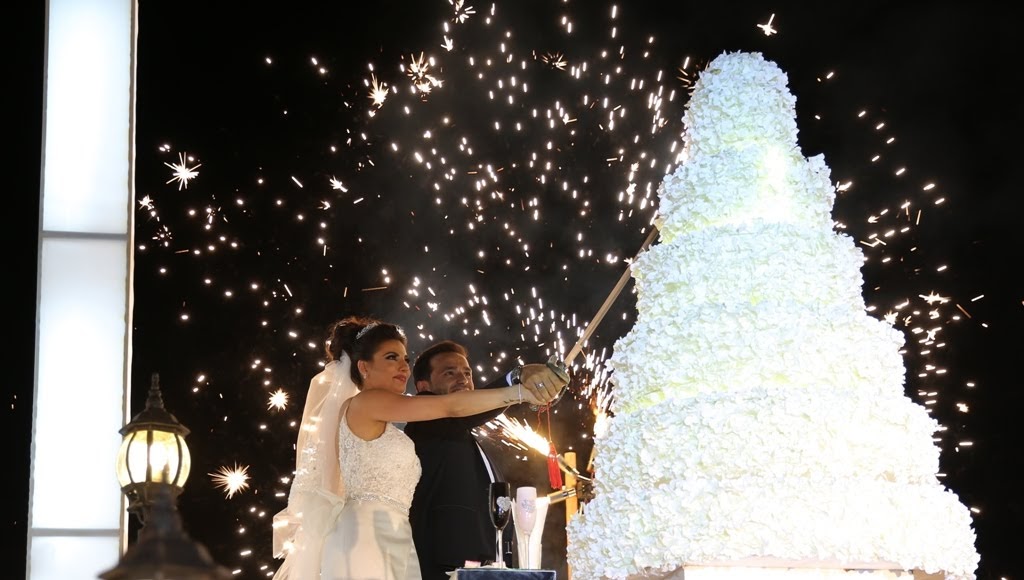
(421, 368)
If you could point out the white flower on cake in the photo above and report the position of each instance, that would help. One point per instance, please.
(759, 411)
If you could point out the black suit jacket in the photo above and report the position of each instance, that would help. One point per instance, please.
(450, 517)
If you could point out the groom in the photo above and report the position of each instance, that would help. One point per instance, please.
(450, 516)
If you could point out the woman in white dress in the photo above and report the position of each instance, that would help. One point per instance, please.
(355, 472)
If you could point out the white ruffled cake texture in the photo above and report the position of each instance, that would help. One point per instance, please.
(759, 410)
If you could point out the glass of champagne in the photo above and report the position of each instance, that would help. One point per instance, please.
(526, 515)
(501, 511)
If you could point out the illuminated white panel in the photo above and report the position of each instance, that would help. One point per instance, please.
(67, 558)
(80, 386)
(87, 144)
(77, 524)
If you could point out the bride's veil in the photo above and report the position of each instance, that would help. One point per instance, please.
(317, 492)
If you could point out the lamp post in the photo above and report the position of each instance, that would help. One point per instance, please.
(153, 454)
(152, 466)
(164, 551)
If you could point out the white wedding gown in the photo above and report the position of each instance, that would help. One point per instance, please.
(371, 539)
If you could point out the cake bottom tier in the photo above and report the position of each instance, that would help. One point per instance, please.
(627, 533)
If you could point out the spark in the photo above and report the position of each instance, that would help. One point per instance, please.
(182, 172)
(767, 26)
(932, 298)
(462, 12)
(163, 235)
(278, 400)
(338, 185)
(378, 91)
(420, 74)
(555, 60)
(519, 434)
(684, 76)
(212, 213)
(231, 479)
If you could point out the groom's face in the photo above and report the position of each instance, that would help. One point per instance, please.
(450, 373)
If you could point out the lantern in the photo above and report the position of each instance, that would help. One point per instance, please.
(153, 454)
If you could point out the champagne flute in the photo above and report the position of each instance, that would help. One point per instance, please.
(501, 511)
(526, 515)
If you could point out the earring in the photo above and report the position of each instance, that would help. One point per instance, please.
(364, 375)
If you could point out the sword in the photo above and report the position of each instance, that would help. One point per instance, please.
(561, 367)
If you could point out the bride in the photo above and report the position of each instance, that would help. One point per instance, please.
(355, 472)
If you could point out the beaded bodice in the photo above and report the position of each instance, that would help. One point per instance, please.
(383, 469)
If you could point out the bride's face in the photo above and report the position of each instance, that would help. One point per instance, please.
(388, 369)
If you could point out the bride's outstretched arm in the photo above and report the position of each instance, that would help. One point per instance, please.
(382, 405)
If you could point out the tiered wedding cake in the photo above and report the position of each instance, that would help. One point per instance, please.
(760, 418)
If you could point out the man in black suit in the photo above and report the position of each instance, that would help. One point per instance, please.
(450, 517)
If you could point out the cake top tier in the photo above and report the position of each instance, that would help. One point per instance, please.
(738, 100)
(743, 164)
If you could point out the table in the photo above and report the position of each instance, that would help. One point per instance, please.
(503, 574)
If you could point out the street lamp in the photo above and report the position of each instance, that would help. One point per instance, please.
(163, 550)
(152, 466)
(153, 454)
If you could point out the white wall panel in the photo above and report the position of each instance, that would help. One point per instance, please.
(87, 146)
(74, 558)
(77, 522)
(80, 385)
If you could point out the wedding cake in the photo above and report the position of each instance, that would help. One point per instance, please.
(760, 420)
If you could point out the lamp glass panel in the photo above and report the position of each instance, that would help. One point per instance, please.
(186, 463)
(161, 457)
(123, 476)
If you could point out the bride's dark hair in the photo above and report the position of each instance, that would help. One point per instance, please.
(360, 337)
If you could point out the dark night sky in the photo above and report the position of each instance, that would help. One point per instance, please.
(938, 77)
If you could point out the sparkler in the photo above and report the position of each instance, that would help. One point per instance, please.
(521, 435)
(518, 433)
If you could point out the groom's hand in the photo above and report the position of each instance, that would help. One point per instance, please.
(544, 382)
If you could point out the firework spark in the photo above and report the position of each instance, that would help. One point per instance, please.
(182, 172)
(462, 12)
(278, 400)
(338, 185)
(555, 60)
(231, 479)
(378, 92)
(519, 434)
(420, 72)
(767, 26)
